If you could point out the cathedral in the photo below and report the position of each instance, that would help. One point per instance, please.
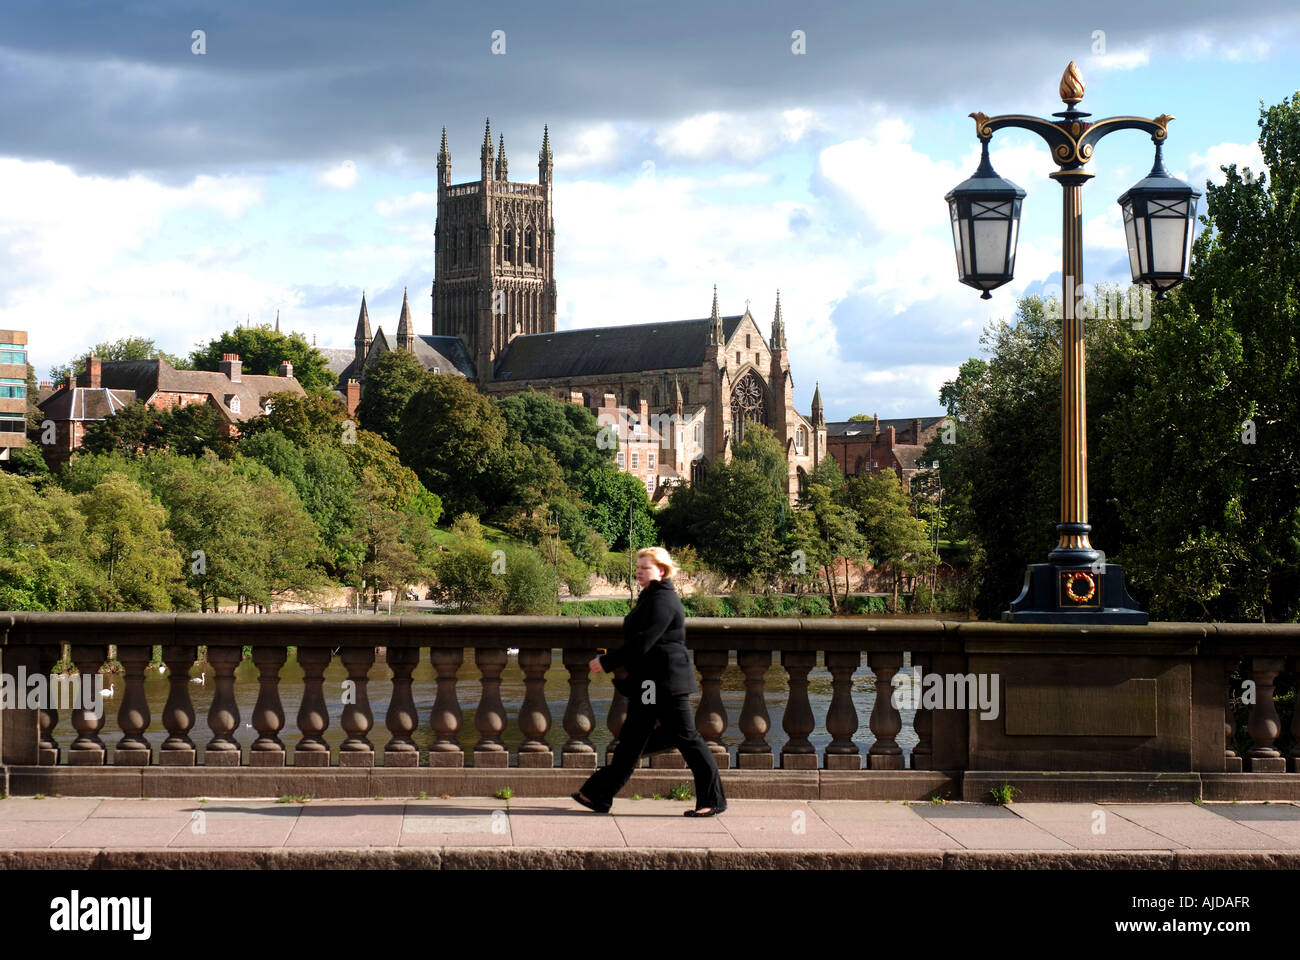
(675, 395)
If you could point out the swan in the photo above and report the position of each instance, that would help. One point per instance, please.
(112, 689)
(201, 678)
(511, 651)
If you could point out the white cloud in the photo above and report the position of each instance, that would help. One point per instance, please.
(342, 177)
(1129, 59)
(1205, 166)
(395, 206)
(593, 146)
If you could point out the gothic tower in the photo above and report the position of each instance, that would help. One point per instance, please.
(494, 267)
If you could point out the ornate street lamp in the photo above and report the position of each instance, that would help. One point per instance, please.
(1077, 585)
(1159, 224)
(985, 214)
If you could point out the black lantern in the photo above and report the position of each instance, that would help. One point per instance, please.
(985, 212)
(1159, 224)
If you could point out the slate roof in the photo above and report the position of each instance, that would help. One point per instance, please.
(85, 403)
(446, 353)
(338, 358)
(148, 377)
(864, 428)
(602, 350)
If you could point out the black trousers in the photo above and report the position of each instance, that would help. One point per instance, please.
(640, 736)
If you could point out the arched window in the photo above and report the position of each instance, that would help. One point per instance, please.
(800, 440)
(509, 245)
(803, 482)
(698, 469)
(656, 396)
(747, 346)
(747, 404)
(451, 252)
(530, 257)
(634, 399)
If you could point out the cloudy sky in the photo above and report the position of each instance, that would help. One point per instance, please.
(149, 189)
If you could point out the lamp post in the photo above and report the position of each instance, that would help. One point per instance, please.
(1077, 585)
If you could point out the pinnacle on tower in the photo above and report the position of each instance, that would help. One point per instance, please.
(545, 155)
(277, 321)
(677, 393)
(405, 335)
(715, 320)
(778, 326)
(817, 417)
(486, 153)
(363, 320)
(502, 169)
(444, 161)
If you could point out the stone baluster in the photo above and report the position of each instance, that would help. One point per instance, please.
(313, 714)
(357, 719)
(178, 749)
(922, 721)
(1293, 755)
(798, 753)
(842, 716)
(754, 753)
(445, 718)
(223, 716)
(1231, 761)
(885, 753)
(534, 714)
(268, 714)
(579, 720)
(1264, 726)
(47, 749)
(403, 717)
(88, 749)
(711, 715)
(133, 750)
(490, 717)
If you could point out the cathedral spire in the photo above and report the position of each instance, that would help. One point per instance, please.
(485, 155)
(778, 326)
(405, 336)
(444, 161)
(502, 170)
(277, 321)
(545, 163)
(817, 417)
(715, 320)
(362, 338)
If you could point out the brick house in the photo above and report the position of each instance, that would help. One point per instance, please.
(105, 387)
(869, 446)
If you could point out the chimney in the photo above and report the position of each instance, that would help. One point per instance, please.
(46, 385)
(575, 396)
(610, 400)
(875, 418)
(354, 397)
(92, 375)
(231, 366)
(916, 430)
(889, 436)
(286, 370)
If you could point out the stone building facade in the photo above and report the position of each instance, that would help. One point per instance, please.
(869, 446)
(692, 384)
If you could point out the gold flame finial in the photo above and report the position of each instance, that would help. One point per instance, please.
(1072, 84)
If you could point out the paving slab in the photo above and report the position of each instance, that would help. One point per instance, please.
(125, 833)
(1092, 826)
(1190, 826)
(52, 808)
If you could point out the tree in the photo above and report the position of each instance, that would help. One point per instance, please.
(137, 429)
(825, 532)
(450, 436)
(736, 520)
(465, 573)
(129, 547)
(261, 350)
(889, 532)
(125, 348)
(390, 383)
(393, 546)
(42, 549)
(567, 431)
(304, 418)
(616, 501)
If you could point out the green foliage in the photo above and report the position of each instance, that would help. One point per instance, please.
(125, 348)
(261, 351)
(734, 518)
(505, 793)
(450, 437)
(566, 430)
(530, 583)
(137, 429)
(392, 546)
(702, 605)
(303, 418)
(613, 500)
(682, 791)
(1004, 793)
(133, 555)
(390, 383)
(28, 462)
(596, 608)
(463, 573)
(42, 549)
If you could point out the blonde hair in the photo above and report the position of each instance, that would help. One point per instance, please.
(660, 556)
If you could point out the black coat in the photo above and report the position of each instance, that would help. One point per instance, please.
(654, 645)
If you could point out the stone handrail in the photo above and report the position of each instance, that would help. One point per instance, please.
(1154, 697)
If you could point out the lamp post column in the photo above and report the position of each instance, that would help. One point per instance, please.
(1073, 546)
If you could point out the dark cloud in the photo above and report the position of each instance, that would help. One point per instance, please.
(110, 91)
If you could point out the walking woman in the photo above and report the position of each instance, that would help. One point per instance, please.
(658, 686)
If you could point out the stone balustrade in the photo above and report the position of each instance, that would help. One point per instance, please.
(1142, 701)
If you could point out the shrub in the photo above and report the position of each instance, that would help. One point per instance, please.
(703, 605)
(742, 601)
(596, 608)
(922, 598)
(530, 583)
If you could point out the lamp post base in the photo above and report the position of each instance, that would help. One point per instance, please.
(1075, 593)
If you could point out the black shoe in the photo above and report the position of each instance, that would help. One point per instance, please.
(713, 812)
(577, 795)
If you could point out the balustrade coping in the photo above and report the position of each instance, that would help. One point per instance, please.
(20, 628)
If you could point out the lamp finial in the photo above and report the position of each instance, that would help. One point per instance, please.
(1072, 84)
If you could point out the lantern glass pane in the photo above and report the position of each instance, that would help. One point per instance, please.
(991, 246)
(1167, 243)
(1191, 235)
(1011, 249)
(1144, 266)
(1130, 237)
(959, 248)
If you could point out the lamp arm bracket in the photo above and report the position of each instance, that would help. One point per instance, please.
(1071, 141)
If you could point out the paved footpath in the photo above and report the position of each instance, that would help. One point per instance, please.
(78, 833)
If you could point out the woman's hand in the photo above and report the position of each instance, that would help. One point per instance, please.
(594, 665)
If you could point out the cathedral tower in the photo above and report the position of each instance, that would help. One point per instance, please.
(494, 267)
